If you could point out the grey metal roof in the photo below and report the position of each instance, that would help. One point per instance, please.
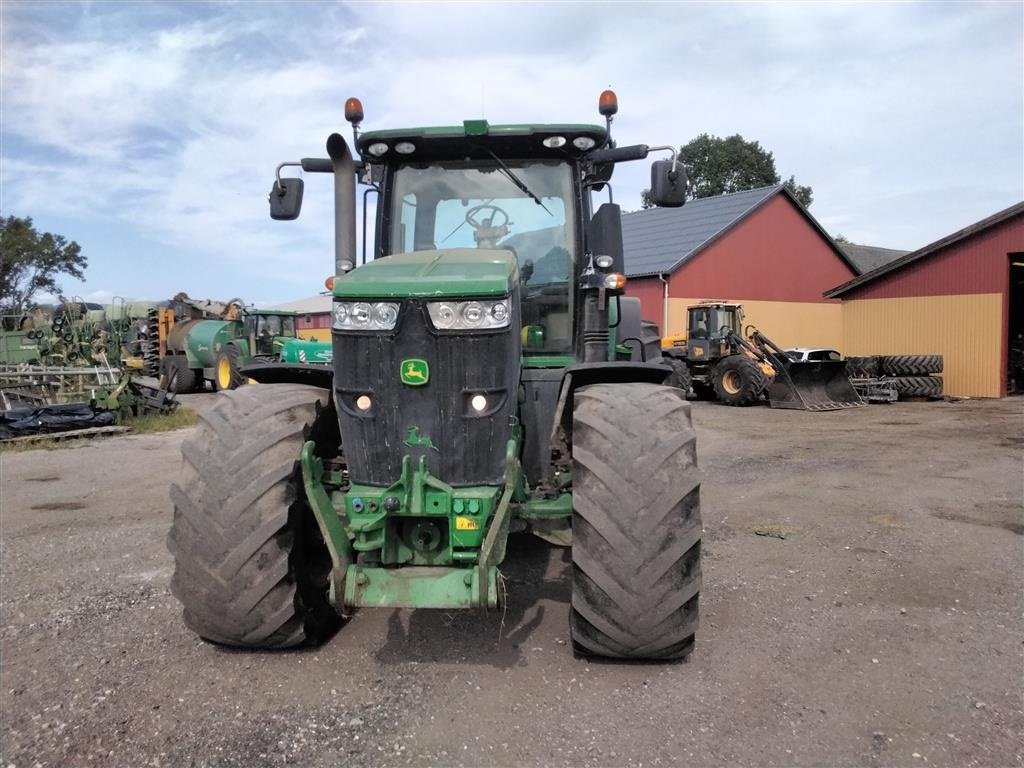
(312, 305)
(658, 240)
(868, 257)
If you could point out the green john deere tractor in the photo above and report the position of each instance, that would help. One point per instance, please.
(488, 378)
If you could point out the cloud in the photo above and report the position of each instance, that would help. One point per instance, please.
(153, 129)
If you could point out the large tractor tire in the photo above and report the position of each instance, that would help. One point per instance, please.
(918, 386)
(910, 365)
(226, 370)
(738, 380)
(636, 523)
(251, 569)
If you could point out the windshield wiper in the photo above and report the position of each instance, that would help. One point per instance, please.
(518, 182)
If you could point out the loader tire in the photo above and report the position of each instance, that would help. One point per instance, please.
(251, 569)
(738, 380)
(910, 365)
(702, 390)
(226, 371)
(863, 367)
(917, 386)
(680, 377)
(636, 523)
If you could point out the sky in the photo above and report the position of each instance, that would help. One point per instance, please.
(149, 132)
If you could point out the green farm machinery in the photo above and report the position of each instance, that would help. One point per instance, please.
(202, 349)
(489, 377)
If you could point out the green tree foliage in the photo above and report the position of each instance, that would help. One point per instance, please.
(31, 261)
(718, 166)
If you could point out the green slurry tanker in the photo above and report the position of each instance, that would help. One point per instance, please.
(217, 349)
(495, 380)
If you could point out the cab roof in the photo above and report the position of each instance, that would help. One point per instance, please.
(475, 137)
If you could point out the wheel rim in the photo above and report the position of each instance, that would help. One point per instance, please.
(224, 373)
(732, 383)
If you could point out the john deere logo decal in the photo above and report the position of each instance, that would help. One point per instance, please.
(414, 439)
(415, 372)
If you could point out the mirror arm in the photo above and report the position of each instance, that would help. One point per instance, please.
(277, 173)
(675, 156)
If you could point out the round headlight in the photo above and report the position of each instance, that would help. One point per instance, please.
(554, 142)
(445, 316)
(361, 313)
(377, 149)
(583, 142)
(479, 403)
(340, 313)
(499, 312)
(604, 261)
(473, 313)
(405, 148)
(363, 402)
(385, 314)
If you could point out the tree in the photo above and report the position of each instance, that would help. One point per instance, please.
(31, 261)
(718, 166)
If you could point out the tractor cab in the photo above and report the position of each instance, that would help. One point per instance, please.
(267, 330)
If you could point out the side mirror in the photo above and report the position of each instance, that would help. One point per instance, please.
(286, 199)
(604, 236)
(668, 187)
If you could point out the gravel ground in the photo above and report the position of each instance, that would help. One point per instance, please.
(885, 628)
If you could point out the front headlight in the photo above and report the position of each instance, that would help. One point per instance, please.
(365, 315)
(463, 315)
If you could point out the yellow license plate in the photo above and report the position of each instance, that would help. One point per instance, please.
(466, 524)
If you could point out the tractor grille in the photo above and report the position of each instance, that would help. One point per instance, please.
(461, 449)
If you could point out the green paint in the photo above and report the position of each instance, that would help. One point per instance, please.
(332, 526)
(548, 361)
(303, 350)
(457, 272)
(413, 439)
(414, 373)
(475, 127)
(421, 587)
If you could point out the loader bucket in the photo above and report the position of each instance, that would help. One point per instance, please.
(814, 386)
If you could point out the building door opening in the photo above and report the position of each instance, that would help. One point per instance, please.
(1015, 327)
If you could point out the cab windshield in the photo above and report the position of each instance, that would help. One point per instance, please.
(444, 205)
(712, 322)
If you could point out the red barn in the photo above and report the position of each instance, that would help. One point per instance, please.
(759, 247)
(961, 296)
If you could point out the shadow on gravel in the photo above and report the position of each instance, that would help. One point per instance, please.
(492, 638)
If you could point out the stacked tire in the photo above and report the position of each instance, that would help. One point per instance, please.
(912, 375)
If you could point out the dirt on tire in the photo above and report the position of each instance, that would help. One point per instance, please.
(738, 380)
(636, 523)
(248, 571)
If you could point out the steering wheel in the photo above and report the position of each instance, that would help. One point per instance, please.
(471, 216)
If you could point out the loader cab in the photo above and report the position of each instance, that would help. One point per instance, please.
(714, 321)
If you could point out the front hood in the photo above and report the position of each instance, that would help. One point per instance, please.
(432, 274)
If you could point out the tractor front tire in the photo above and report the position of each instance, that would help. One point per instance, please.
(251, 569)
(226, 373)
(738, 380)
(636, 523)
